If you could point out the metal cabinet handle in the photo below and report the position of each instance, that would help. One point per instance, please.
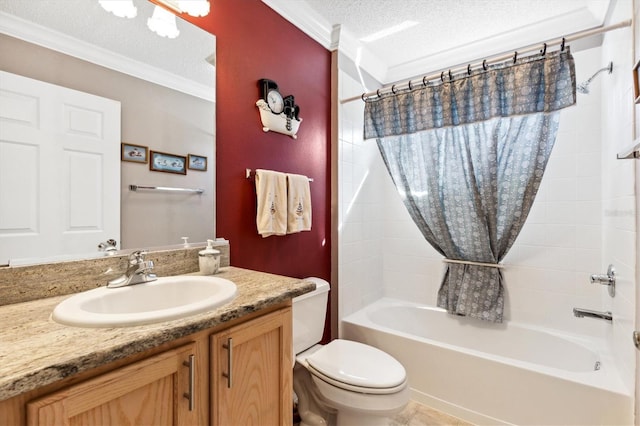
(192, 381)
(229, 347)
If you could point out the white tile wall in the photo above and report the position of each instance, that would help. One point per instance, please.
(618, 187)
(548, 267)
(360, 230)
(582, 220)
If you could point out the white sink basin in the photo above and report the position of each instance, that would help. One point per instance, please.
(167, 298)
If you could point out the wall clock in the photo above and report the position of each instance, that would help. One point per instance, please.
(270, 93)
(277, 113)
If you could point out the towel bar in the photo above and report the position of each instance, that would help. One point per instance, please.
(166, 188)
(248, 175)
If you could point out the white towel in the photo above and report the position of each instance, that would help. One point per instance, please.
(271, 191)
(298, 204)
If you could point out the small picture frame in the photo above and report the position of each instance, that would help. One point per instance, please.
(168, 163)
(197, 162)
(636, 82)
(134, 153)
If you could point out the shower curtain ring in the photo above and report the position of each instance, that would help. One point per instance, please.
(469, 69)
(442, 76)
(484, 64)
(562, 45)
(450, 76)
(515, 56)
(424, 81)
(544, 49)
(393, 89)
(378, 93)
(410, 85)
(363, 98)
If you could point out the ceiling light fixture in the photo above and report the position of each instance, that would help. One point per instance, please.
(389, 31)
(195, 7)
(163, 23)
(191, 7)
(120, 8)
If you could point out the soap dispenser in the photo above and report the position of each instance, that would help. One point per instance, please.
(209, 259)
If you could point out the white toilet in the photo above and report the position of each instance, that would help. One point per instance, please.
(343, 382)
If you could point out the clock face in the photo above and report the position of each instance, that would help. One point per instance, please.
(275, 102)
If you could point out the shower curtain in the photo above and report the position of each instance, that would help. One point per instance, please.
(467, 157)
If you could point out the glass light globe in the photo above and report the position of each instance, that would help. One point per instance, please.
(163, 23)
(195, 7)
(120, 8)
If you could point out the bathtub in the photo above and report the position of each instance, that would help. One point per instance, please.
(495, 374)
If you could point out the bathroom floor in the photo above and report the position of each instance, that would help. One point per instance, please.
(420, 415)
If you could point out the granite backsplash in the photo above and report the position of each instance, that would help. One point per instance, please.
(30, 282)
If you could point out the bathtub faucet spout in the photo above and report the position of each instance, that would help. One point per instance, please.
(581, 313)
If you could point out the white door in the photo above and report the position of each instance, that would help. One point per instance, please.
(59, 169)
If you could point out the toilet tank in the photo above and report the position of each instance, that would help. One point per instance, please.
(309, 311)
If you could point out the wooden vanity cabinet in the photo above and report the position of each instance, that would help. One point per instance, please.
(150, 388)
(156, 391)
(251, 366)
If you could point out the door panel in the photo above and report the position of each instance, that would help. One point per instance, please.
(59, 169)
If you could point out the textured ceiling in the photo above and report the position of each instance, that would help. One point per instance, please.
(446, 30)
(86, 20)
(442, 24)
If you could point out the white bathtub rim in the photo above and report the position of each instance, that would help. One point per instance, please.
(606, 378)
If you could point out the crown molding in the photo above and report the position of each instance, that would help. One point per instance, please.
(362, 57)
(338, 38)
(571, 22)
(33, 33)
(301, 15)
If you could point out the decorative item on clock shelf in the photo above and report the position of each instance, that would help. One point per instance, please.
(277, 113)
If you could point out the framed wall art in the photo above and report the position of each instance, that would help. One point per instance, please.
(134, 153)
(169, 163)
(197, 162)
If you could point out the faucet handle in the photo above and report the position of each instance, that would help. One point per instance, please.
(137, 257)
(609, 280)
(147, 265)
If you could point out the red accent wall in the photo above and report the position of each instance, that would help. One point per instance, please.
(254, 42)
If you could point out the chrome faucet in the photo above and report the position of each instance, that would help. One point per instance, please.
(609, 280)
(581, 313)
(109, 247)
(137, 272)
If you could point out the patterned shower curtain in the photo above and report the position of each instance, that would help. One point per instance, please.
(467, 157)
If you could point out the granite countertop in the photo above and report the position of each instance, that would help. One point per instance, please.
(36, 351)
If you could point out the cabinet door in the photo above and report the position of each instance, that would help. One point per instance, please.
(153, 391)
(251, 365)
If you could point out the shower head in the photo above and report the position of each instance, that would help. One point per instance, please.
(584, 86)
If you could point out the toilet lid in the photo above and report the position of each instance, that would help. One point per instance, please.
(357, 364)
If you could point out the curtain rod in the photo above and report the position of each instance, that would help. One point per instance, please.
(492, 59)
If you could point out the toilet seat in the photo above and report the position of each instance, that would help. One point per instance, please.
(357, 367)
